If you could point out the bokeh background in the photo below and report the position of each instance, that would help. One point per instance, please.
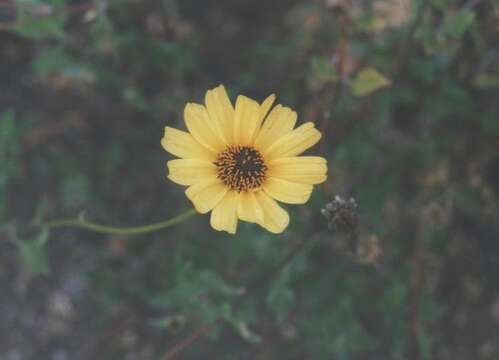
(407, 94)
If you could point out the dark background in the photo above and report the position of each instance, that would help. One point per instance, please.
(406, 93)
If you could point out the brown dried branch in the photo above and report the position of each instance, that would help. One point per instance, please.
(414, 297)
(329, 96)
(49, 130)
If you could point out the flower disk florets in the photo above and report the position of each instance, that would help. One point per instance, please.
(241, 168)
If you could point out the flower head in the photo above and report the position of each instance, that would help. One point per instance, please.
(236, 162)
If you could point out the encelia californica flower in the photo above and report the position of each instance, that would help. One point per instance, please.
(238, 161)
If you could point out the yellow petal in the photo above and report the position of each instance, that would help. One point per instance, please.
(201, 127)
(224, 215)
(182, 144)
(265, 106)
(300, 169)
(221, 112)
(280, 121)
(246, 120)
(294, 142)
(190, 171)
(275, 218)
(263, 111)
(206, 195)
(287, 191)
(248, 208)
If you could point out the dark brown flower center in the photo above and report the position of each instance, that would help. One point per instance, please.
(241, 168)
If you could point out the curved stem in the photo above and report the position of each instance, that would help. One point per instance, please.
(87, 225)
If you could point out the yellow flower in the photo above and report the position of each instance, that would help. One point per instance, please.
(237, 165)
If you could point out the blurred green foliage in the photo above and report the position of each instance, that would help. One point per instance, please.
(410, 92)
(8, 155)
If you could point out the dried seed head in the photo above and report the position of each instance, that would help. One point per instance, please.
(342, 214)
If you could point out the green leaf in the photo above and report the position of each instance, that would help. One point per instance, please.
(322, 69)
(33, 253)
(9, 149)
(456, 25)
(56, 60)
(41, 29)
(247, 334)
(490, 123)
(7, 125)
(244, 331)
(37, 21)
(201, 292)
(370, 23)
(281, 297)
(75, 190)
(367, 81)
(442, 5)
(425, 344)
(135, 98)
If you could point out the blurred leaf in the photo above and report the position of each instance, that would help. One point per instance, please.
(370, 23)
(9, 149)
(394, 296)
(50, 61)
(40, 211)
(42, 29)
(244, 331)
(174, 322)
(55, 60)
(174, 54)
(281, 297)
(238, 322)
(133, 96)
(367, 81)
(490, 123)
(196, 291)
(425, 341)
(33, 253)
(468, 199)
(437, 237)
(323, 69)
(425, 69)
(7, 125)
(75, 190)
(451, 99)
(38, 20)
(486, 80)
(427, 35)
(457, 24)
(442, 4)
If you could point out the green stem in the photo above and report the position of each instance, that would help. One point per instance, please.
(87, 225)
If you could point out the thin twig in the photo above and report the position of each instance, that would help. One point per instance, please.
(340, 68)
(192, 338)
(329, 97)
(414, 297)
